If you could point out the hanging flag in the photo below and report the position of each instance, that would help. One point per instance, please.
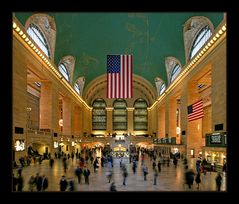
(195, 111)
(119, 76)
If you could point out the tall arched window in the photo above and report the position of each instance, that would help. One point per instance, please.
(36, 34)
(64, 71)
(77, 87)
(175, 71)
(200, 40)
(120, 115)
(162, 88)
(140, 115)
(99, 115)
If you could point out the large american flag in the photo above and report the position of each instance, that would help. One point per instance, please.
(119, 76)
(195, 111)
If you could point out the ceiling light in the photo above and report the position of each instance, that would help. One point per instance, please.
(223, 28)
(23, 36)
(211, 41)
(18, 29)
(220, 32)
(217, 35)
(20, 33)
(14, 25)
(26, 39)
(214, 38)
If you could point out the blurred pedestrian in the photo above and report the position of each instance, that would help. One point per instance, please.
(218, 181)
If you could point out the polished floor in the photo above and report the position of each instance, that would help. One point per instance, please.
(169, 179)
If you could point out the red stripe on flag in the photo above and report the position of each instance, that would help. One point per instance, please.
(197, 111)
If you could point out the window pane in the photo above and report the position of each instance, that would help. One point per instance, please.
(64, 71)
(34, 32)
(200, 40)
(176, 70)
(77, 88)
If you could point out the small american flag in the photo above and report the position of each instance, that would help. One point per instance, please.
(119, 76)
(195, 111)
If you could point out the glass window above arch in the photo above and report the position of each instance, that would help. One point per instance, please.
(175, 71)
(35, 33)
(200, 40)
(64, 71)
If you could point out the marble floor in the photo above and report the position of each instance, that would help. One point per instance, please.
(169, 179)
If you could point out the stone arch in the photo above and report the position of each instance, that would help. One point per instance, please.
(170, 63)
(47, 26)
(69, 61)
(191, 29)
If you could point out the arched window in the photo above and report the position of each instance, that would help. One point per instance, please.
(99, 114)
(162, 88)
(200, 40)
(63, 69)
(140, 115)
(77, 87)
(36, 34)
(120, 115)
(175, 71)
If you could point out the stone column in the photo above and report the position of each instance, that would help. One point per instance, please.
(49, 110)
(77, 123)
(67, 116)
(19, 100)
(161, 121)
(130, 112)
(172, 117)
(109, 125)
(195, 140)
(219, 91)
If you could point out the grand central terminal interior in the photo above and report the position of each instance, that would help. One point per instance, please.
(119, 101)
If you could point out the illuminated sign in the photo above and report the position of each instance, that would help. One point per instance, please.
(20, 145)
(216, 138)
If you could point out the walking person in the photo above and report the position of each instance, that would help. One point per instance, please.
(19, 183)
(155, 176)
(145, 172)
(63, 183)
(14, 183)
(134, 166)
(113, 187)
(218, 181)
(198, 180)
(31, 183)
(78, 173)
(125, 174)
(86, 173)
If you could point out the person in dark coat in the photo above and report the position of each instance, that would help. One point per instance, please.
(198, 180)
(71, 185)
(63, 183)
(44, 183)
(19, 183)
(86, 173)
(113, 187)
(219, 181)
(38, 182)
(14, 183)
(78, 173)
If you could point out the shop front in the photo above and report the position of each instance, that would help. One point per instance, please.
(215, 151)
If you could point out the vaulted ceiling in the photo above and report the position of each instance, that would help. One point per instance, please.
(149, 37)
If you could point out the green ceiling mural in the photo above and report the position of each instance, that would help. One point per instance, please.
(149, 37)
